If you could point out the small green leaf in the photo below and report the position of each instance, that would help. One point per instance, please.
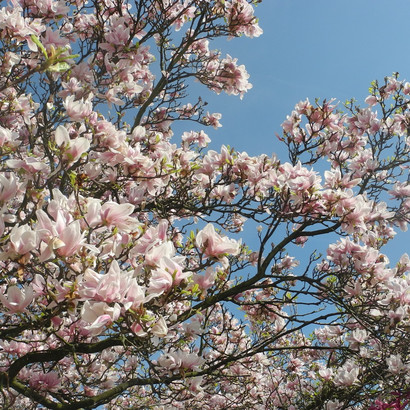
(39, 45)
(59, 67)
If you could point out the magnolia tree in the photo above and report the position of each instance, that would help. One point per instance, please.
(123, 280)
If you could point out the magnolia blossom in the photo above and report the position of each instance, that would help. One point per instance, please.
(73, 149)
(99, 315)
(29, 164)
(114, 286)
(23, 239)
(72, 237)
(333, 405)
(180, 359)
(241, 19)
(119, 215)
(8, 187)
(326, 373)
(7, 137)
(45, 381)
(78, 110)
(160, 328)
(17, 299)
(346, 375)
(58, 235)
(168, 274)
(156, 253)
(207, 280)
(395, 364)
(233, 78)
(214, 245)
(358, 336)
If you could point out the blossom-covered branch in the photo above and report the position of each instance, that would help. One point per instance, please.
(125, 279)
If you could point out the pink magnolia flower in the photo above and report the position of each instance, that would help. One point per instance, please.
(212, 119)
(155, 253)
(395, 364)
(397, 315)
(354, 290)
(135, 295)
(93, 215)
(78, 110)
(113, 214)
(53, 38)
(241, 19)
(17, 299)
(8, 137)
(193, 137)
(51, 8)
(371, 100)
(214, 245)
(326, 373)
(88, 283)
(138, 329)
(114, 286)
(168, 274)
(8, 187)
(31, 165)
(59, 235)
(194, 384)
(180, 359)
(15, 348)
(400, 190)
(111, 98)
(334, 179)
(357, 337)
(45, 381)
(207, 280)
(23, 239)
(109, 287)
(333, 405)
(346, 375)
(73, 239)
(72, 149)
(118, 34)
(99, 315)
(225, 193)
(160, 328)
(229, 77)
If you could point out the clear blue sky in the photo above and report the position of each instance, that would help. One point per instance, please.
(318, 48)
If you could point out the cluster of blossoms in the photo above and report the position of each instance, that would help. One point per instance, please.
(120, 262)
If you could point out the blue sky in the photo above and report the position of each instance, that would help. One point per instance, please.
(311, 49)
(320, 48)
